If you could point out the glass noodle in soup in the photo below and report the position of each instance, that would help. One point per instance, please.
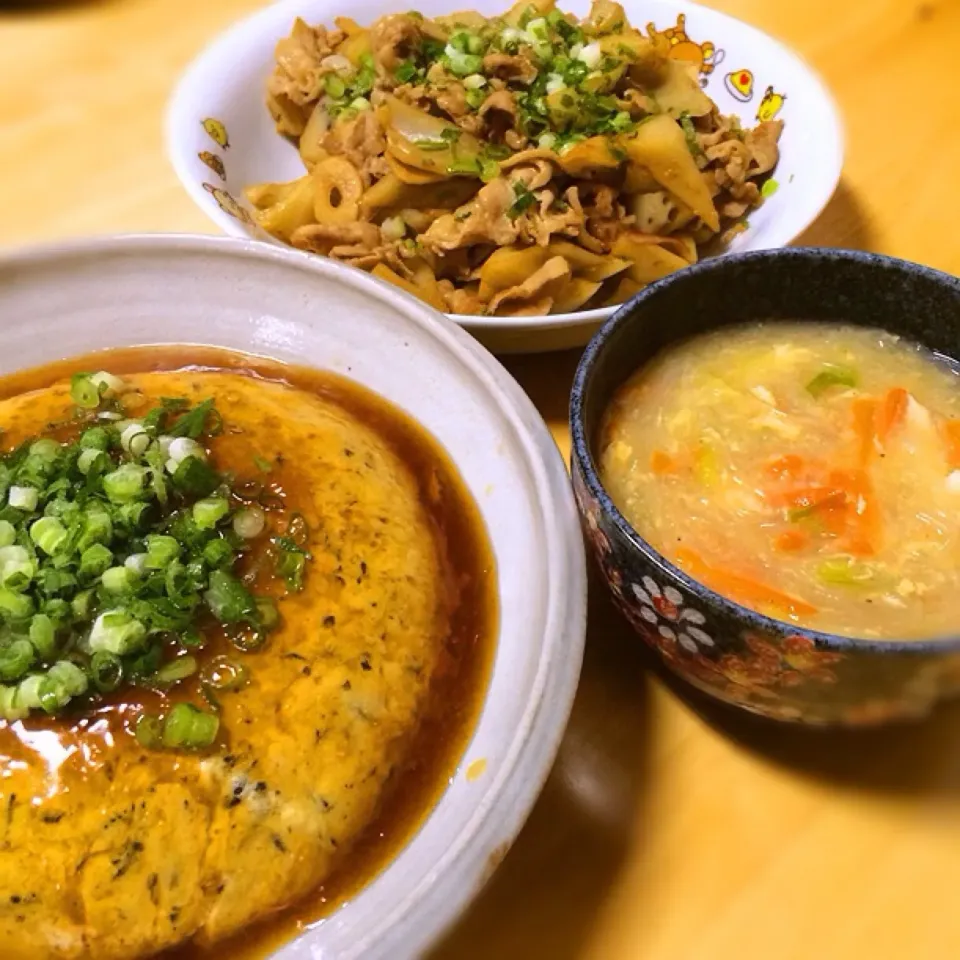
(809, 472)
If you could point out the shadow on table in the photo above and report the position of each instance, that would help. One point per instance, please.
(900, 759)
(546, 378)
(843, 223)
(549, 888)
(22, 8)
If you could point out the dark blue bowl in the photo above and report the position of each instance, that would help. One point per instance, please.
(730, 652)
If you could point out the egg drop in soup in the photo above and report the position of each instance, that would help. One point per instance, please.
(246, 619)
(810, 472)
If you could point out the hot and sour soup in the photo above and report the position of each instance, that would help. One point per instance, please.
(810, 472)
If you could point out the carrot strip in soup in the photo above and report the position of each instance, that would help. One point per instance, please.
(790, 541)
(805, 497)
(662, 463)
(786, 467)
(891, 412)
(864, 421)
(743, 589)
(864, 520)
(951, 435)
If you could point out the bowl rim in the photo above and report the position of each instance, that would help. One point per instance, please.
(178, 110)
(580, 444)
(456, 877)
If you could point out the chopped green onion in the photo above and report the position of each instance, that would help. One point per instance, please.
(49, 534)
(84, 392)
(134, 514)
(149, 731)
(10, 708)
(23, 498)
(109, 560)
(97, 527)
(17, 568)
(690, 134)
(207, 513)
(95, 560)
(188, 726)
(469, 166)
(16, 659)
(82, 605)
(68, 677)
(108, 384)
(57, 609)
(222, 673)
(833, 375)
(844, 571)
(30, 691)
(116, 632)
(769, 188)
(176, 670)
(489, 169)
(96, 438)
(194, 423)
(125, 483)
(161, 551)
(218, 553)
(249, 523)
(119, 580)
(267, 613)
(193, 476)
(291, 562)
(106, 671)
(404, 73)
(333, 86)
(43, 636)
(475, 98)
(45, 449)
(15, 606)
(134, 439)
(92, 461)
(228, 599)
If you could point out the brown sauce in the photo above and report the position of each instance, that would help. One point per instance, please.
(460, 680)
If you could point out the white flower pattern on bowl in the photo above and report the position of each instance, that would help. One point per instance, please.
(668, 605)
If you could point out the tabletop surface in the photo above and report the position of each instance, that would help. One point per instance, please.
(669, 828)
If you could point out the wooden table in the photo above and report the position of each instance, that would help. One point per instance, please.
(668, 829)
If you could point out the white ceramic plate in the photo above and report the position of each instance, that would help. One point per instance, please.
(744, 71)
(61, 301)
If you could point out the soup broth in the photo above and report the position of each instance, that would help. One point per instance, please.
(809, 472)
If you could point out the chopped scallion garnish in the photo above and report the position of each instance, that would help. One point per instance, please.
(117, 556)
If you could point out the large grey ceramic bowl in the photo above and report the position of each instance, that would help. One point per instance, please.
(89, 295)
(766, 666)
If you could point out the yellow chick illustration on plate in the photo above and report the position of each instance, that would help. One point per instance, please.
(213, 162)
(770, 105)
(217, 132)
(739, 84)
(705, 56)
(227, 203)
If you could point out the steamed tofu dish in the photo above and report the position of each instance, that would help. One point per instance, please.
(809, 472)
(234, 600)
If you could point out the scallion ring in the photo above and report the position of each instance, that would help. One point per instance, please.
(249, 522)
(223, 673)
(189, 727)
(176, 670)
(106, 671)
